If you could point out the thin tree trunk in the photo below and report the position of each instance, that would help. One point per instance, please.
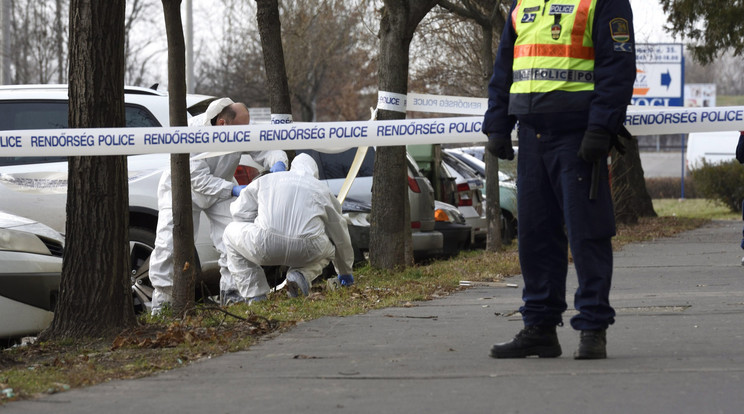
(270, 30)
(184, 263)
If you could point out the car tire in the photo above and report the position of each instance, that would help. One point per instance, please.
(141, 243)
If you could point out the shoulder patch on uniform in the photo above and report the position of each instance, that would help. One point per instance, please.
(619, 30)
(623, 47)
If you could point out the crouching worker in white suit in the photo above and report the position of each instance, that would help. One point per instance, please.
(212, 191)
(291, 219)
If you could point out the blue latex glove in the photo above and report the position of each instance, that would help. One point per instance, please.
(237, 189)
(346, 280)
(278, 166)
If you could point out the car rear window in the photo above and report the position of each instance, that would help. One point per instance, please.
(337, 165)
(19, 115)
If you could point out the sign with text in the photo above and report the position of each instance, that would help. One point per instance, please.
(659, 75)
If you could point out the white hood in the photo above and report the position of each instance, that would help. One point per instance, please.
(304, 164)
(212, 111)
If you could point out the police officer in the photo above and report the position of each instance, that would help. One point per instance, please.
(565, 70)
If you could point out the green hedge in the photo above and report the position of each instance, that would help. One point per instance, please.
(670, 187)
(723, 182)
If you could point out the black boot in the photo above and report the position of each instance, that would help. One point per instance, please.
(532, 340)
(592, 345)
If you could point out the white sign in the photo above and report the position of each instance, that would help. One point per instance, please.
(700, 94)
(659, 74)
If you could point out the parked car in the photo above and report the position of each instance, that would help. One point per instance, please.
(506, 167)
(437, 228)
(36, 187)
(507, 192)
(30, 268)
(467, 194)
(430, 237)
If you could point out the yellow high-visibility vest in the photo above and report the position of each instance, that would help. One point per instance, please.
(554, 49)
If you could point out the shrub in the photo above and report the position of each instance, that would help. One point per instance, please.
(670, 187)
(723, 182)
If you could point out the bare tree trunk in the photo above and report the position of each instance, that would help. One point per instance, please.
(487, 15)
(270, 29)
(184, 265)
(629, 194)
(390, 233)
(5, 35)
(493, 192)
(95, 291)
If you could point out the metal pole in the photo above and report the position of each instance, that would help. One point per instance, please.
(189, 38)
(682, 192)
(5, 34)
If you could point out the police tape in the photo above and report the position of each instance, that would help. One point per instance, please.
(324, 136)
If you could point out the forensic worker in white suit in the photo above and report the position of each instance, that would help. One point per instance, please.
(212, 191)
(292, 219)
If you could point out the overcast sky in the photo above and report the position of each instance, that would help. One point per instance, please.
(649, 20)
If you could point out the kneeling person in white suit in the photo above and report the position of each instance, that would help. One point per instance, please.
(212, 191)
(288, 218)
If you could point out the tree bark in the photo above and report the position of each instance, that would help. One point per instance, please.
(487, 15)
(629, 194)
(270, 30)
(390, 233)
(184, 263)
(493, 192)
(95, 296)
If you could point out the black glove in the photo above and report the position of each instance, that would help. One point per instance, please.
(740, 148)
(500, 146)
(623, 133)
(595, 146)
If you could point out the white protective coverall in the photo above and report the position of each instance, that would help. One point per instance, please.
(211, 193)
(286, 218)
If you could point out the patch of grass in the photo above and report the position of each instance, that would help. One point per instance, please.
(164, 343)
(694, 208)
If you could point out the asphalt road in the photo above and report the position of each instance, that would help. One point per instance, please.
(677, 347)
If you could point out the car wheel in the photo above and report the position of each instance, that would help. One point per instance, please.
(141, 243)
(508, 227)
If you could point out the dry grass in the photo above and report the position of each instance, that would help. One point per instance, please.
(166, 343)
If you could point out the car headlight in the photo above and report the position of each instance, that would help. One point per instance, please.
(449, 215)
(20, 241)
(441, 215)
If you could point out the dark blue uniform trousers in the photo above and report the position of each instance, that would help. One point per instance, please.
(555, 212)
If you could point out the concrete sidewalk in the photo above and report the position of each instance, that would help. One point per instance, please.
(677, 347)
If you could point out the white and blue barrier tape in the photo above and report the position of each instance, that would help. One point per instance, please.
(332, 136)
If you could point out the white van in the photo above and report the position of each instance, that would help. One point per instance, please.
(713, 147)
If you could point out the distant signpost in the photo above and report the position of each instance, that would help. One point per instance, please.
(659, 75)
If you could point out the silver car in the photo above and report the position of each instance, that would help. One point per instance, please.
(30, 268)
(507, 190)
